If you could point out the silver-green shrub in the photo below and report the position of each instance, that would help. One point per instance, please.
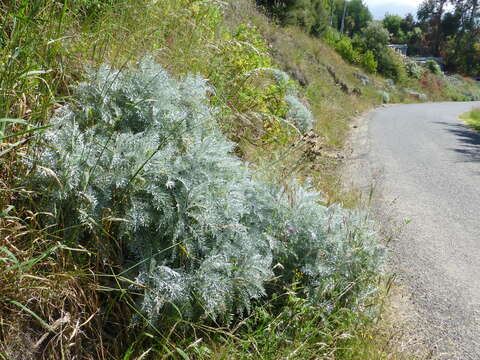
(298, 115)
(385, 96)
(142, 151)
(413, 69)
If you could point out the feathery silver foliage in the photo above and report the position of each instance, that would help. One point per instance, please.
(143, 150)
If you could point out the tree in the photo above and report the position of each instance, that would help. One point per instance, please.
(309, 14)
(463, 46)
(375, 37)
(357, 15)
(393, 23)
(360, 15)
(408, 23)
(430, 15)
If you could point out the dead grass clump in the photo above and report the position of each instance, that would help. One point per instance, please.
(49, 302)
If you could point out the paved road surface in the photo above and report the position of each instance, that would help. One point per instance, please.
(427, 164)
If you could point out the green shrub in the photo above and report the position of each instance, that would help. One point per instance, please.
(374, 37)
(244, 75)
(433, 67)
(139, 158)
(331, 36)
(391, 65)
(345, 48)
(348, 50)
(368, 61)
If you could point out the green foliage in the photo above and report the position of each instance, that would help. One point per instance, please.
(345, 48)
(31, 70)
(373, 41)
(185, 36)
(463, 51)
(393, 23)
(472, 119)
(240, 55)
(331, 36)
(475, 114)
(290, 327)
(368, 61)
(375, 38)
(433, 67)
(139, 158)
(451, 32)
(311, 15)
(391, 65)
(308, 14)
(316, 16)
(89, 8)
(357, 15)
(244, 73)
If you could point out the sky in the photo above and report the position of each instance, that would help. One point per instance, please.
(400, 7)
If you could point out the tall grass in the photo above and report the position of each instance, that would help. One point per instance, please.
(49, 303)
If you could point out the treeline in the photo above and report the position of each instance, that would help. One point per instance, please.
(446, 28)
(442, 28)
(317, 15)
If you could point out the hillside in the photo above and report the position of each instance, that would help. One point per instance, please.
(169, 185)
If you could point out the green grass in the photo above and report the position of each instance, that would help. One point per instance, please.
(472, 119)
(285, 328)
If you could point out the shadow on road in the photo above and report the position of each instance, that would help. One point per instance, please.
(468, 139)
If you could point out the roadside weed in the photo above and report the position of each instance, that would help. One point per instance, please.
(472, 119)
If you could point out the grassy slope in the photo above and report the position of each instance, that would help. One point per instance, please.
(307, 60)
(61, 303)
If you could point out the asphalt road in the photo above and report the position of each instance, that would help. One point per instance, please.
(427, 167)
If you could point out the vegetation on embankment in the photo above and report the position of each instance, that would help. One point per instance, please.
(472, 119)
(131, 225)
(440, 28)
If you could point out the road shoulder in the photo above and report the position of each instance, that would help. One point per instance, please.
(401, 320)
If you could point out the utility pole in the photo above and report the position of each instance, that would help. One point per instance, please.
(343, 17)
(473, 14)
(332, 7)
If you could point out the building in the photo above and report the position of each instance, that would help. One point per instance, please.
(400, 48)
